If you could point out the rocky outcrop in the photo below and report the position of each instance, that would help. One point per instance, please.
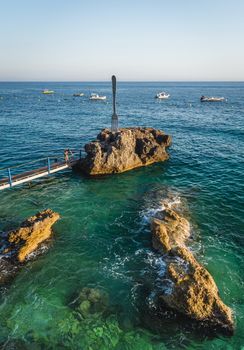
(124, 150)
(192, 290)
(18, 245)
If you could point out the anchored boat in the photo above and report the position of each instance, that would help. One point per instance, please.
(211, 99)
(47, 92)
(97, 97)
(162, 95)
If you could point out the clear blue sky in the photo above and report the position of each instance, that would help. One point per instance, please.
(86, 40)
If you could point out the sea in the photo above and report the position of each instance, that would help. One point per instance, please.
(103, 242)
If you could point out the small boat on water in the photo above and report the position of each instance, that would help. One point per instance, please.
(97, 97)
(79, 94)
(162, 95)
(47, 92)
(211, 99)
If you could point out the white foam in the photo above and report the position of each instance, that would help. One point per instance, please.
(170, 202)
(116, 269)
(40, 250)
(155, 262)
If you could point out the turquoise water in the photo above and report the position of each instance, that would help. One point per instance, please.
(103, 239)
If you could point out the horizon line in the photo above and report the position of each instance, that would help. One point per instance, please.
(122, 81)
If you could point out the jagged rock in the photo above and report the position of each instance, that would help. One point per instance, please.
(124, 150)
(17, 245)
(192, 291)
(31, 233)
(172, 232)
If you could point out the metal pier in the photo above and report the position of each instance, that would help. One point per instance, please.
(53, 165)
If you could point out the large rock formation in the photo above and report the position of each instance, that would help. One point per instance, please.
(192, 290)
(17, 245)
(124, 150)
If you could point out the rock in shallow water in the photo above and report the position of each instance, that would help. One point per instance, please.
(91, 301)
(17, 245)
(124, 150)
(193, 291)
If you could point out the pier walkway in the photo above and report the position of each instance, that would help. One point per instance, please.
(13, 176)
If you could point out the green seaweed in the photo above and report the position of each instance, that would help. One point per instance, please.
(88, 325)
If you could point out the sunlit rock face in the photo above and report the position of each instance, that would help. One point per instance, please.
(18, 245)
(192, 291)
(129, 148)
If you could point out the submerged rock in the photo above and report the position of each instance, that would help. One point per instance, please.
(192, 291)
(91, 301)
(19, 244)
(124, 150)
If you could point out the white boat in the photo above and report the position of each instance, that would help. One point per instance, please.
(47, 92)
(162, 95)
(211, 99)
(97, 97)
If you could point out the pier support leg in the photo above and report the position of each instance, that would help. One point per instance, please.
(48, 165)
(10, 178)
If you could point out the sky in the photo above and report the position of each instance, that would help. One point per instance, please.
(137, 40)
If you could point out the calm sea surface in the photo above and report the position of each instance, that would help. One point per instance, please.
(103, 239)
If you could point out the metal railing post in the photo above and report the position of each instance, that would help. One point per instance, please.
(48, 165)
(10, 178)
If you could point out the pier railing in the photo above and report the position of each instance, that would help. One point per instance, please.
(28, 171)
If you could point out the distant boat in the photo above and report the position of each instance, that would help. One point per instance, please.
(47, 92)
(97, 97)
(79, 94)
(162, 95)
(211, 99)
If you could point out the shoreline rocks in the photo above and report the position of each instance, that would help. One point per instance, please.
(19, 244)
(124, 150)
(191, 290)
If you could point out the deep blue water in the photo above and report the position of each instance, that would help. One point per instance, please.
(103, 240)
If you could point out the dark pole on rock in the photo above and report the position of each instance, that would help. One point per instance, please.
(114, 121)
